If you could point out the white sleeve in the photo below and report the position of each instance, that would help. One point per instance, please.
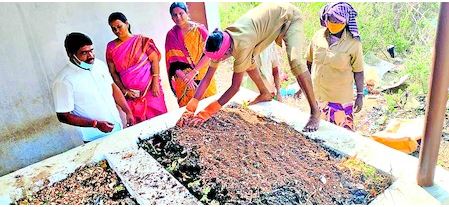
(274, 57)
(108, 77)
(63, 97)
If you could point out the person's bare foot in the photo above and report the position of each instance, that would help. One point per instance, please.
(313, 123)
(278, 97)
(264, 97)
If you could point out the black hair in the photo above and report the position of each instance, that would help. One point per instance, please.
(119, 16)
(214, 41)
(181, 5)
(74, 41)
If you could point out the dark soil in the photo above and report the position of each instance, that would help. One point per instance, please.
(94, 184)
(238, 157)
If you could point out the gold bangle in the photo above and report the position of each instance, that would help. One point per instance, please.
(126, 93)
(156, 74)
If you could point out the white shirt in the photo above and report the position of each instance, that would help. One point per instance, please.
(87, 93)
(268, 59)
(265, 61)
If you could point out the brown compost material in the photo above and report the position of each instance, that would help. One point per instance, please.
(239, 157)
(94, 184)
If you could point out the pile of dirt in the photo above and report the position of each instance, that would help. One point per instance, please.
(94, 184)
(238, 157)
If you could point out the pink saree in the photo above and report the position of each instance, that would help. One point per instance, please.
(130, 59)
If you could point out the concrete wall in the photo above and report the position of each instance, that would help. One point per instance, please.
(31, 55)
(212, 15)
(197, 12)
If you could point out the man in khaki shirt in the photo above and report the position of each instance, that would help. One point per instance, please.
(244, 40)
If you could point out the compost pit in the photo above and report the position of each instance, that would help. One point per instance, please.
(93, 184)
(239, 157)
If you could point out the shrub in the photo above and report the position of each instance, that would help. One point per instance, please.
(409, 26)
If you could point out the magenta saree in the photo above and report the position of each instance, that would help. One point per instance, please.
(130, 59)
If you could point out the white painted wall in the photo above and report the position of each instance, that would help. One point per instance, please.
(32, 53)
(212, 15)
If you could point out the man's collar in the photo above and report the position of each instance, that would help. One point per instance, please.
(77, 67)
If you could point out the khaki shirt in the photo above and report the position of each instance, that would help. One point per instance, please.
(333, 66)
(256, 30)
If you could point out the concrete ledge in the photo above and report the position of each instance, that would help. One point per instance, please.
(30, 179)
(404, 193)
(148, 183)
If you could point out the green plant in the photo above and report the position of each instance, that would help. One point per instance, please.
(245, 104)
(400, 24)
(311, 15)
(204, 193)
(411, 28)
(418, 68)
(395, 101)
(231, 11)
(357, 166)
(391, 103)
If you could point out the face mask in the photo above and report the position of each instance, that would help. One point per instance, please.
(335, 28)
(83, 64)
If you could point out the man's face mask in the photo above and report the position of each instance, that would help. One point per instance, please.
(335, 28)
(83, 64)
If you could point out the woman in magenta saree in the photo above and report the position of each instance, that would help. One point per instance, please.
(133, 61)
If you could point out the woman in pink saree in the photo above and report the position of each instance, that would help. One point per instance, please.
(133, 62)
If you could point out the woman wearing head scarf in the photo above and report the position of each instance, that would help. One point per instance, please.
(184, 47)
(335, 59)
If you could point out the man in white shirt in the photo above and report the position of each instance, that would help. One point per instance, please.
(268, 63)
(85, 94)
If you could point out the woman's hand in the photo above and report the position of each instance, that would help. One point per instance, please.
(180, 74)
(130, 94)
(189, 113)
(358, 103)
(155, 86)
(189, 79)
(186, 78)
(185, 117)
(130, 120)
